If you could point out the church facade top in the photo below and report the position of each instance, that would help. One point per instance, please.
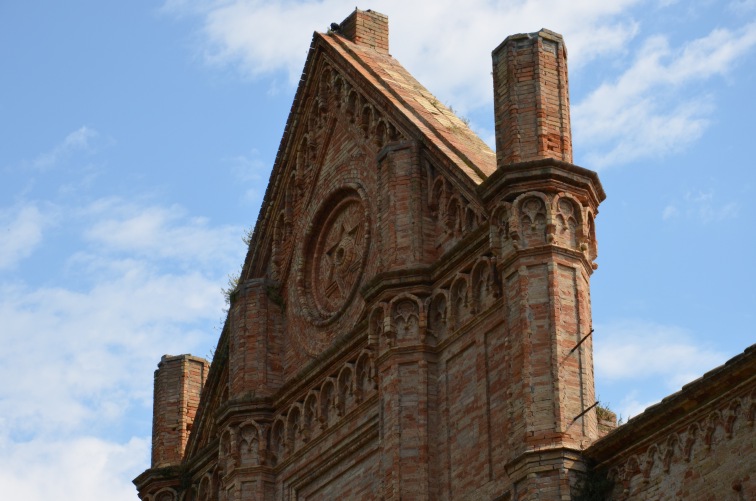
(413, 316)
(397, 317)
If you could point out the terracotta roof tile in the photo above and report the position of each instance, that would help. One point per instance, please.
(438, 123)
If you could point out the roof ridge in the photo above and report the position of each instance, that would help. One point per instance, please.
(357, 54)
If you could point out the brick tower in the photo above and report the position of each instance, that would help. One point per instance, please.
(543, 235)
(178, 384)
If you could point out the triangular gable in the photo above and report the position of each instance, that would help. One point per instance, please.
(410, 111)
(379, 104)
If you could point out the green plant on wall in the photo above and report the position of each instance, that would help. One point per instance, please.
(592, 486)
(233, 284)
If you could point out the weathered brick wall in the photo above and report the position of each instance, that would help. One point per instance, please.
(698, 444)
(413, 324)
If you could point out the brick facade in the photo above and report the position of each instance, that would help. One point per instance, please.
(413, 317)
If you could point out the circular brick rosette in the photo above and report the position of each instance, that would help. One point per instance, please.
(335, 254)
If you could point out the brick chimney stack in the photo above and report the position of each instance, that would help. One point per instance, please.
(531, 99)
(368, 28)
(178, 384)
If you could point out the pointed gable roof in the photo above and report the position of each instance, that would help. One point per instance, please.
(434, 121)
(422, 116)
(414, 109)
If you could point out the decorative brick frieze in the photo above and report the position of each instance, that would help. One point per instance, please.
(455, 215)
(334, 96)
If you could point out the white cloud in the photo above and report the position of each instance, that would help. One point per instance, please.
(703, 207)
(80, 355)
(83, 468)
(660, 358)
(264, 38)
(641, 350)
(78, 140)
(84, 358)
(458, 68)
(161, 232)
(640, 114)
(21, 230)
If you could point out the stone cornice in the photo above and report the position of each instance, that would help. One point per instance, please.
(526, 176)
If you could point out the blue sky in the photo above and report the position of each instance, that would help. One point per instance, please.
(137, 139)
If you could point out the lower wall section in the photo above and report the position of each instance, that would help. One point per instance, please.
(358, 480)
(475, 411)
(253, 491)
(466, 450)
(697, 444)
(413, 430)
(345, 465)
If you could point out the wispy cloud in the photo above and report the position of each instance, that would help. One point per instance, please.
(640, 114)
(21, 229)
(252, 171)
(670, 212)
(636, 353)
(249, 168)
(742, 6)
(634, 349)
(701, 206)
(633, 404)
(81, 354)
(160, 232)
(77, 141)
(263, 38)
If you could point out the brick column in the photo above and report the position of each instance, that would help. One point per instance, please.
(178, 385)
(401, 207)
(368, 28)
(531, 98)
(254, 351)
(542, 236)
(407, 374)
